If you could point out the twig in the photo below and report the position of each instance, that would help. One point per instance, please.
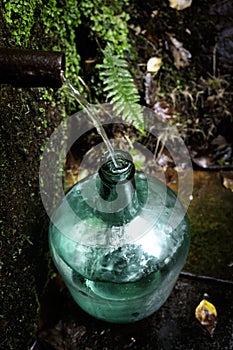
(191, 276)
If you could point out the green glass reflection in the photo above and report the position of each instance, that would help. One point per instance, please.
(119, 239)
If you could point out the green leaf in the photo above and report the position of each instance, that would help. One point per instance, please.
(120, 88)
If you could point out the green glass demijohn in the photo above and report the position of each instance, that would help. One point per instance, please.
(119, 239)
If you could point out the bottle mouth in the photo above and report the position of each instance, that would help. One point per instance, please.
(124, 170)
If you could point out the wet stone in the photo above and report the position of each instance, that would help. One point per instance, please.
(173, 326)
(211, 220)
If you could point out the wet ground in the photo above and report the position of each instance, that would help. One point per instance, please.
(172, 327)
(209, 269)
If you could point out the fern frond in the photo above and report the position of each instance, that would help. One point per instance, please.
(120, 88)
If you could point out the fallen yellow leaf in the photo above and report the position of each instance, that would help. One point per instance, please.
(154, 64)
(206, 314)
(227, 178)
(180, 4)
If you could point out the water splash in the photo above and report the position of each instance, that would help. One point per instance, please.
(92, 113)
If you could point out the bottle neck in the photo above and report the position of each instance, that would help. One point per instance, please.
(117, 189)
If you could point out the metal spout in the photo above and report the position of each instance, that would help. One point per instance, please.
(31, 68)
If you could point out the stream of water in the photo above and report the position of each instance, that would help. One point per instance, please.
(92, 113)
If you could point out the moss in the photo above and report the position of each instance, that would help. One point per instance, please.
(108, 23)
(19, 15)
(58, 24)
(28, 117)
(24, 223)
(211, 227)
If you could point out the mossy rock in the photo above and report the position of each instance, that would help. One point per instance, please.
(28, 117)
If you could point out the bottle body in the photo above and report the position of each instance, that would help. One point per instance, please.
(120, 271)
(121, 302)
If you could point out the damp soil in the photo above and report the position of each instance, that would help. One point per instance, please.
(194, 85)
(173, 326)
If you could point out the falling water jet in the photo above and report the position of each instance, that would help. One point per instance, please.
(91, 111)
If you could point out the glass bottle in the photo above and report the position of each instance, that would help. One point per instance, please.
(119, 239)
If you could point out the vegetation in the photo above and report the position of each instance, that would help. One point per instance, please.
(120, 88)
(19, 15)
(57, 28)
(23, 226)
(119, 36)
(119, 24)
(53, 25)
(107, 22)
(104, 24)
